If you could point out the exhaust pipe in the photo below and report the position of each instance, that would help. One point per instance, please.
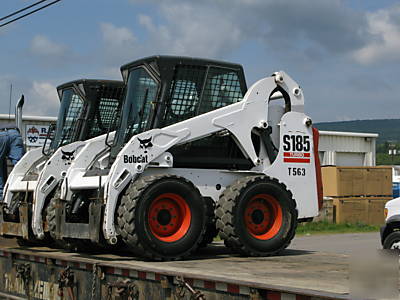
(18, 113)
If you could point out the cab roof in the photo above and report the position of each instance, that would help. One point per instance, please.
(160, 62)
(91, 83)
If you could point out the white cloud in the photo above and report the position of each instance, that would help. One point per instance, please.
(117, 36)
(43, 46)
(120, 43)
(40, 95)
(218, 28)
(42, 99)
(384, 24)
(192, 29)
(147, 23)
(112, 73)
(120, 36)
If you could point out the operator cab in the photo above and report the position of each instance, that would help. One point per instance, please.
(164, 90)
(88, 108)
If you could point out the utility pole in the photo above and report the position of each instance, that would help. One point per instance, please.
(392, 150)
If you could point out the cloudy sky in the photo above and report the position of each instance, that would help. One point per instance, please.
(345, 54)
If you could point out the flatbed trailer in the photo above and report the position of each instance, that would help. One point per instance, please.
(214, 273)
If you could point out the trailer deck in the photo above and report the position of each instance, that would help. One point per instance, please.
(214, 273)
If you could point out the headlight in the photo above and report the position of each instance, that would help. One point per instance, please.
(386, 212)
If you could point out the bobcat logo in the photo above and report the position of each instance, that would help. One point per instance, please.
(67, 157)
(146, 143)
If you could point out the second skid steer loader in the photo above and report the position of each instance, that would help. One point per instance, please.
(88, 108)
(153, 85)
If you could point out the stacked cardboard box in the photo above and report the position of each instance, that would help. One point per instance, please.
(356, 194)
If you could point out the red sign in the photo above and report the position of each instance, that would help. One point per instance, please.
(296, 157)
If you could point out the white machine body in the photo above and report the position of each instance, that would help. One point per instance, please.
(57, 168)
(294, 165)
(16, 181)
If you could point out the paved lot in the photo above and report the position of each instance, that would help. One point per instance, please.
(347, 243)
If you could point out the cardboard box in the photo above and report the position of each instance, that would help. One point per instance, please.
(368, 210)
(378, 181)
(376, 209)
(357, 181)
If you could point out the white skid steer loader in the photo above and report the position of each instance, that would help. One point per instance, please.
(214, 146)
(148, 79)
(87, 109)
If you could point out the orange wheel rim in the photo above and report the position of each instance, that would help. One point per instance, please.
(263, 216)
(169, 217)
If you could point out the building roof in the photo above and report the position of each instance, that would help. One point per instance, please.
(350, 134)
(29, 118)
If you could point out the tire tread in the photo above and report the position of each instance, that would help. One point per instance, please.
(126, 218)
(225, 216)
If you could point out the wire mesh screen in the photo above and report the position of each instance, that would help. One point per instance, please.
(222, 88)
(197, 90)
(185, 93)
(192, 93)
(106, 112)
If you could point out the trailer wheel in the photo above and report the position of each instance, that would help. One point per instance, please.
(162, 217)
(256, 216)
(392, 241)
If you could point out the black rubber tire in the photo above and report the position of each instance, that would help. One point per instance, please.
(73, 245)
(230, 216)
(52, 222)
(32, 241)
(211, 229)
(133, 224)
(51, 216)
(392, 238)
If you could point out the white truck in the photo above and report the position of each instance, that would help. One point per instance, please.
(390, 232)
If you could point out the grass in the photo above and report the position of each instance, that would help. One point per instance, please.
(327, 228)
(322, 227)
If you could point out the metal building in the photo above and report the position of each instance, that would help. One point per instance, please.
(335, 148)
(347, 148)
(34, 128)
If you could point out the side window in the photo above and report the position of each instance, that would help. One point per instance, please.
(71, 119)
(67, 124)
(139, 99)
(144, 92)
(140, 95)
(185, 92)
(222, 88)
(184, 98)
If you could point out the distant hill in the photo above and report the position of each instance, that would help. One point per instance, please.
(388, 129)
